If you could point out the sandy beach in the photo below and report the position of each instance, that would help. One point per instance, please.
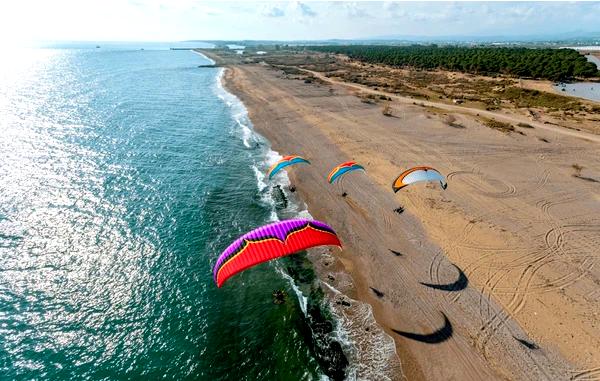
(494, 278)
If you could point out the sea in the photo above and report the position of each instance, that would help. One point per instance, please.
(125, 170)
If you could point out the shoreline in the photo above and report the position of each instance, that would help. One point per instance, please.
(588, 91)
(360, 354)
(323, 268)
(549, 87)
(489, 331)
(250, 138)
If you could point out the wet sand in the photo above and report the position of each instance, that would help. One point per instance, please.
(522, 229)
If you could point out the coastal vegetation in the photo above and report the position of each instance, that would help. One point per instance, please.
(387, 110)
(534, 98)
(486, 92)
(500, 126)
(552, 64)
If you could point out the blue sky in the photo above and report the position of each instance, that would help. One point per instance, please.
(172, 20)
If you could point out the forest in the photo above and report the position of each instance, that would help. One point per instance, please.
(544, 63)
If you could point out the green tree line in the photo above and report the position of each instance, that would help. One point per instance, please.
(553, 64)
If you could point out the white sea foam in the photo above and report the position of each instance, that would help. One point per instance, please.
(212, 62)
(260, 179)
(263, 161)
(372, 352)
(249, 137)
(302, 300)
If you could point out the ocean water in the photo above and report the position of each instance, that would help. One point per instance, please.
(123, 175)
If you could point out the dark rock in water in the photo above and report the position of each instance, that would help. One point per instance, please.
(399, 210)
(279, 296)
(299, 272)
(292, 188)
(377, 292)
(328, 352)
(317, 326)
(281, 202)
(343, 302)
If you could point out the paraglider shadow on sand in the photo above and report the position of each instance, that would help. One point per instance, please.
(436, 337)
(461, 283)
(590, 179)
(378, 293)
(527, 344)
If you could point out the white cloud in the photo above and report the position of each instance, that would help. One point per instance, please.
(208, 19)
(273, 11)
(305, 10)
(393, 9)
(354, 10)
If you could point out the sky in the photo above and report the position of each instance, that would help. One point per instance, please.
(177, 20)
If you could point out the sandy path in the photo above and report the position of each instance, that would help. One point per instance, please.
(502, 116)
(523, 230)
